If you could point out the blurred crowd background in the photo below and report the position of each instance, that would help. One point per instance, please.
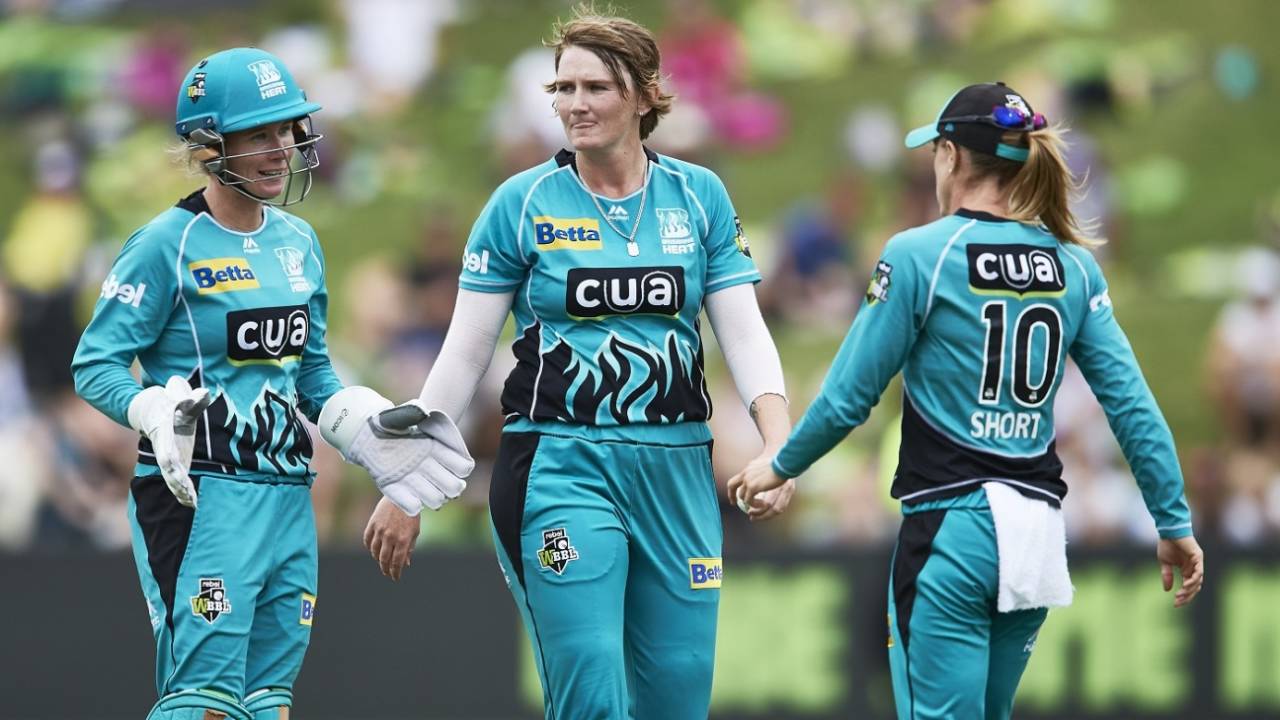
(799, 105)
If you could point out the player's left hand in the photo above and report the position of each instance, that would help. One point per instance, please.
(1185, 555)
(167, 417)
(390, 536)
(759, 491)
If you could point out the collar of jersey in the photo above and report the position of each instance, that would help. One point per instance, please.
(570, 158)
(196, 204)
(981, 215)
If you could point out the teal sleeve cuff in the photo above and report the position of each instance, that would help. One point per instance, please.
(1174, 532)
(782, 472)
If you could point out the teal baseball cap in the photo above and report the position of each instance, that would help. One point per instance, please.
(239, 89)
(977, 117)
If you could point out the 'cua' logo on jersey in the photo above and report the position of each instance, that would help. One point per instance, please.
(551, 233)
(219, 275)
(1019, 270)
(273, 335)
(598, 292)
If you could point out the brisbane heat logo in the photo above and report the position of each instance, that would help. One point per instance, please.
(598, 292)
(273, 335)
(1018, 270)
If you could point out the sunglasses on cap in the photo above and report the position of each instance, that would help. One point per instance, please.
(1003, 116)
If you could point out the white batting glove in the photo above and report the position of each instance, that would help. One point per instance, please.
(416, 456)
(167, 417)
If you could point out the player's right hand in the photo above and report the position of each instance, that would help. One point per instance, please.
(390, 536)
(416, 456)
(1185, 554)
(167, 417)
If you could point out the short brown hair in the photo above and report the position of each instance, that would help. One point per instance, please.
(622, 45)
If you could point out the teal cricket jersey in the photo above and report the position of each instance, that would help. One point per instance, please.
(980, 313)
(607, 337)
(242, 314)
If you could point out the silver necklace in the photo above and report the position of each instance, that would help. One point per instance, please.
(633, 248)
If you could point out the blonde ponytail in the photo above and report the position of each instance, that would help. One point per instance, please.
(1042, 187)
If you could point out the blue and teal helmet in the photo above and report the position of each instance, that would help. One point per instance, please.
(236, 90)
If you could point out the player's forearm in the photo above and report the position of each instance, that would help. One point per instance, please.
(467, 351)
(108, 387)
(1147, 444)
(750, 355)
(814, 436)
(1109, 366)
(317, 382)
(770, 414)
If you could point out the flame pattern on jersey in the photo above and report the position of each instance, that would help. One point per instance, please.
(621, 384)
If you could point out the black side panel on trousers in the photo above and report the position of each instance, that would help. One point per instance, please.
(915, 542)
(507, 491)
(166, 527)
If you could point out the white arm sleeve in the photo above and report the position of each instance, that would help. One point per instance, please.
(467, 351)
(746, 343)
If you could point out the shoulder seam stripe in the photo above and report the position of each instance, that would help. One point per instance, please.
(524, 209)
(684, 183)
(311, 241)
(937, 268)
(1088, 291)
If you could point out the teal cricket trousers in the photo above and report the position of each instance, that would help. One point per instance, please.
(951, 654)
(231, 589)
(611, 549)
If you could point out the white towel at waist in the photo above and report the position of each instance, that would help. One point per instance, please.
(1031, 539)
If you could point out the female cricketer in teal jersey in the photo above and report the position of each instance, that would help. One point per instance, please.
(221, 300)
(603, 504)
(979, 310)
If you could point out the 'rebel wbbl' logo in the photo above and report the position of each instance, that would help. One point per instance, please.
(272, 335)
(1015, 269)
(211, 602)
(598, 292)
(557, 552)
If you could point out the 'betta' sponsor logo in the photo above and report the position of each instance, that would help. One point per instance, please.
(307, 613)
(126, 293)
(551, 233)
(597, 292)
(219, 275)
(274, 335)
(1019, 270)
(705, 573)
